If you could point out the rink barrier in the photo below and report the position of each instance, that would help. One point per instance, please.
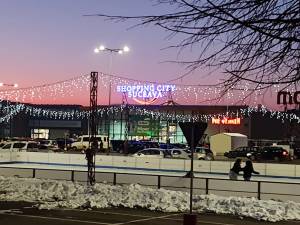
(264, 190)
(165, 164)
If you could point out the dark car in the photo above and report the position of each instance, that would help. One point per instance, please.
(61, 142)
(132, 146)
(117, 145)
(245, 151)
(173, 145)
(179, 145)
(149, 144)
(272, 153)
(297, 153)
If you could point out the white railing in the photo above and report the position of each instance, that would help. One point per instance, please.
(286, 170)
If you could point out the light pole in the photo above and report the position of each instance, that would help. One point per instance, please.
(8, 85)
(112, 51)
(13, 86)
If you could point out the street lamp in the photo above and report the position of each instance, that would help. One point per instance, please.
(8, 85)
(13, 86)
(112, 51)
(119, 51)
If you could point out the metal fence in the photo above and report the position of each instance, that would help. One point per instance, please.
(259, 189)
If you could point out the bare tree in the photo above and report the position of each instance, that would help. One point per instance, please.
(253, 41)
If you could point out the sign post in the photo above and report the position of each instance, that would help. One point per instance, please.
(193, 132)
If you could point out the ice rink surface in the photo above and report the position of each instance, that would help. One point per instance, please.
(145, 171)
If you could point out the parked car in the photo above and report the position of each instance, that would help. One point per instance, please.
(271, 153)
(48, 144)
(179, 145)
(172, 145)
(203, 153)
(151, 153)
(296, 153)
(166, 146)
(20, 146)
(288, 148)
(178, 153)
(83, 142)
(61, 142)
(117, 145)
(133, 146)
(149, 144)
(244, 151)
(3, 143)
(45, 148)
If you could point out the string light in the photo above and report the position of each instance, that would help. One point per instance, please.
(209, 94)
(53, 90)
(191, 94)
(12, 110)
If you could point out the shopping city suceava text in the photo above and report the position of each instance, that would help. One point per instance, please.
(146, 91)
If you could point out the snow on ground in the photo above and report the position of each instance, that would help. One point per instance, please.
(49, 194)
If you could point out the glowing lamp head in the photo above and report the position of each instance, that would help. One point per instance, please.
(126, 49)
(101, 48)
(16, 85)
(1, 84)
(120, 52)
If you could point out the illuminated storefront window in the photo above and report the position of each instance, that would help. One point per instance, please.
(40, 133)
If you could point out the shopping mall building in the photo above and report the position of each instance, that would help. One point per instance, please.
(114, 123)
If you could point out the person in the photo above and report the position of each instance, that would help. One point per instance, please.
(248, 170)
(125, 147)
(94, 144)
(89, 154)
(101, 145)
(235, 170)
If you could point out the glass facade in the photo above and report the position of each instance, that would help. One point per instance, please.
(140, 128)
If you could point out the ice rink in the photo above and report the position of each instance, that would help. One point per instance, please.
(110, 169)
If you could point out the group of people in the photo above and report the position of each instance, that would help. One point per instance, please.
(237, 168)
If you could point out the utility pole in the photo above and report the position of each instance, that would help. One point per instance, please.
(91, 154)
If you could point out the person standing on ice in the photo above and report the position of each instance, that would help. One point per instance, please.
(89, 154)
(94, 145)
(248, 170)
(235, 170)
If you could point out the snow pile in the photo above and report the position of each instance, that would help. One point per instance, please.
(53, 194)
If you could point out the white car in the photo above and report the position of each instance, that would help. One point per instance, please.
(83, 142)
(203, 153)
(3, 143)
(178, 153)
(151, 153)
(20, 146)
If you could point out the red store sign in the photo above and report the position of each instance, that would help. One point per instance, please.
(226, 121)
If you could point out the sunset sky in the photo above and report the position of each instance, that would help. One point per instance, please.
(48, 41)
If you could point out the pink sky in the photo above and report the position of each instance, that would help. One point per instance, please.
(48, 41)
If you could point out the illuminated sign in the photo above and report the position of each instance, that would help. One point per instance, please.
(149, 92)
(286, 97)
(226, 121)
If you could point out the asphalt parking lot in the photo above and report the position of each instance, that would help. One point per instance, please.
(15, 213)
